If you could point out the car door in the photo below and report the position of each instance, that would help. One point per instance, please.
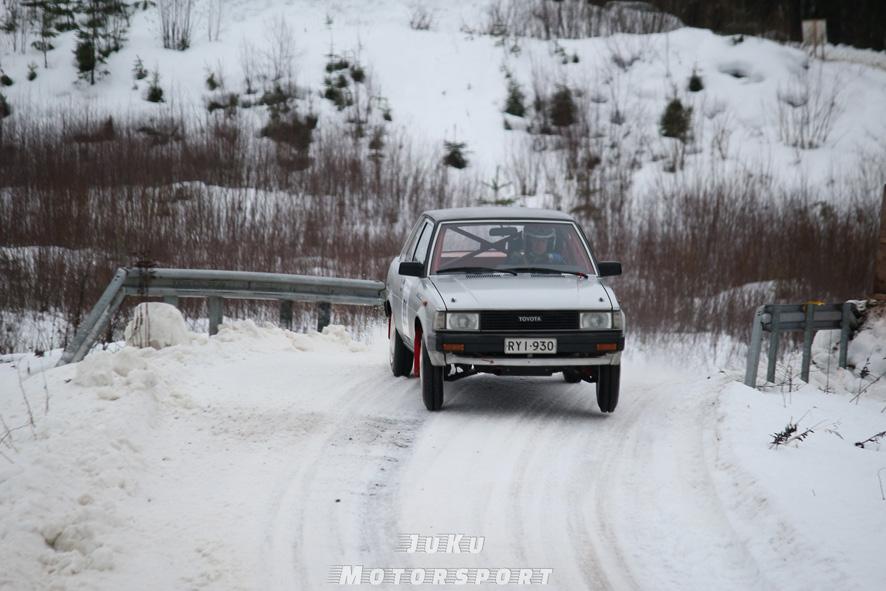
(411, 286)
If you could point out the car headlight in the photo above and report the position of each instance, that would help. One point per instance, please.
(462, 321)
(596, 320)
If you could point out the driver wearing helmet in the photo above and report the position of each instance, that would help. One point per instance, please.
(539, 243)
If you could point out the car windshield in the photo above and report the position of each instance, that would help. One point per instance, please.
(525, 246)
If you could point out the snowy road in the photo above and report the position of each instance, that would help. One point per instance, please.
(263, 459)
(530, 464)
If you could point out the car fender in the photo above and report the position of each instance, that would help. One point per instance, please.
(429, 303)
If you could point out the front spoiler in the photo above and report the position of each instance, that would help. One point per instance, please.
(607, 359)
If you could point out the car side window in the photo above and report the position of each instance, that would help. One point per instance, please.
(424, 241)
(409, 247)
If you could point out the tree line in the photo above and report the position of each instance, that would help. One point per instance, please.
(861, 23)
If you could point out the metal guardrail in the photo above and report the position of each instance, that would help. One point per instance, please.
(809, 318)
(215, 286)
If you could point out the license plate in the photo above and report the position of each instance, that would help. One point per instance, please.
(526, 346)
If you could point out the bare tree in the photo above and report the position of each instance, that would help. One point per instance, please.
(213, 19)
(250, 65)
(176, 24)
(807, 108)
(279, 57)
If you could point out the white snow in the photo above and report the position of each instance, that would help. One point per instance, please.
(259, 458)
(157, 325)
(448, 83)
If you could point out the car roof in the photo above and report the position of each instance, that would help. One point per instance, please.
(484, 213)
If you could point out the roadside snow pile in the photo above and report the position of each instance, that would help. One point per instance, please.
(81, 484)
(157, 325)
(867, 351)
(267, 336)
(802, 463)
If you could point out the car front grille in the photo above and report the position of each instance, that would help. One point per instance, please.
(528, 320)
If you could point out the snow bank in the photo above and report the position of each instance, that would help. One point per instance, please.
(82, 493)
(157, 325)
(867, 351)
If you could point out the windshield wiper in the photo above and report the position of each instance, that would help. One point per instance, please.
(474, 270)
(547, 271)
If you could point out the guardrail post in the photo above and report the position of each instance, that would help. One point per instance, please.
(92, 324)
(750, 378)
(286, 314)
(215, 314)
(880, 261)
(844, 333)
(808, 334)
(773, 346)
(324, 315)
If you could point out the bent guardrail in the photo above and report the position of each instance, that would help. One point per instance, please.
(809, 318)
(216, 286)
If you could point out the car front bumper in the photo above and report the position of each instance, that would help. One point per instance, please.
(574, 349)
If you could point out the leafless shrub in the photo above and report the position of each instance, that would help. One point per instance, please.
(200, 192)
(214, 14)
(722, 126)
(176, 24)
(807, 108)
(421, 18)
(250, 65)
(573, 19)
(695, 243)
(279, 56)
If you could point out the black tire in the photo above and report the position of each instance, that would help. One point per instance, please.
(431, 382)
(400, 356)
(608, 382)
(571, 376)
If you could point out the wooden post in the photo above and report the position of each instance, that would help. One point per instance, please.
(880, 269)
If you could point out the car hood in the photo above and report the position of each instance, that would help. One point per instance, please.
(522, 292)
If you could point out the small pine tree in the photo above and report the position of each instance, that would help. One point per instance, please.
(100, 32)
(5, 80)
(676, 121)
(562, 107)
(32, 72)
(155, 92)
(5, 108)
(139, 72)
(696, 84)
(45, 14)
(66, 18)
(211, 83)
(455, 156)
(514, 105)
(86, 59)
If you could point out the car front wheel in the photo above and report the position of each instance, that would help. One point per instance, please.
(608, 382)
(400, 357)
(431, 382)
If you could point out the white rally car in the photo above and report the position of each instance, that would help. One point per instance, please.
(506, 291)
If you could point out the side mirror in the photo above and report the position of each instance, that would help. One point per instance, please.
(609, 269)
(411, 269)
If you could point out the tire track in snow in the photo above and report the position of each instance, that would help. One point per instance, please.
(336, 468)
(622, 501)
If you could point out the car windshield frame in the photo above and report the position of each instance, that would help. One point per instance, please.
(592, 270)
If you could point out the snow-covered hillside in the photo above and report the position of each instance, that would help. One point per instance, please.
(264, 459)
(449, 83)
